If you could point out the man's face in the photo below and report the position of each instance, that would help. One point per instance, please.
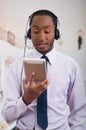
(42, 33)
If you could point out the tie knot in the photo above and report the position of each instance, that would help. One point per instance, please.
(45, 57)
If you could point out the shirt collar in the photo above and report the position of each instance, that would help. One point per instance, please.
(50, 55)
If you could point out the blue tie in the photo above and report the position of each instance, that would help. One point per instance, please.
(42, 106)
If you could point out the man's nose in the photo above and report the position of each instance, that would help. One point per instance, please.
(41, 36)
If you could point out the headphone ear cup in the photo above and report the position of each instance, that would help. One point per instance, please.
(29, 34)
(57, 34)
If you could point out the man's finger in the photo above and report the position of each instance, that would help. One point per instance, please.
(32, 77)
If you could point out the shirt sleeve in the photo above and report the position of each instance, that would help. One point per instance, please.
(77, 101)
(13, 106)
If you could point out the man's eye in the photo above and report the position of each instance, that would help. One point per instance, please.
(36, 32)
(47, 32)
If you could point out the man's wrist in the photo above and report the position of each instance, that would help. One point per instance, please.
(27, 102)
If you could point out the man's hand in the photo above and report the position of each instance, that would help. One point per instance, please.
(33, 89)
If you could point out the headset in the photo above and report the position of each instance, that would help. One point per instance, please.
(44, 12)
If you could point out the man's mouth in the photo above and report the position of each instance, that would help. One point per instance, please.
(42, 45)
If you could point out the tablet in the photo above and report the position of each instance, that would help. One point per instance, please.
(35, 65)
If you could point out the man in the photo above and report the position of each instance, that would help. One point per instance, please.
(64, 83)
